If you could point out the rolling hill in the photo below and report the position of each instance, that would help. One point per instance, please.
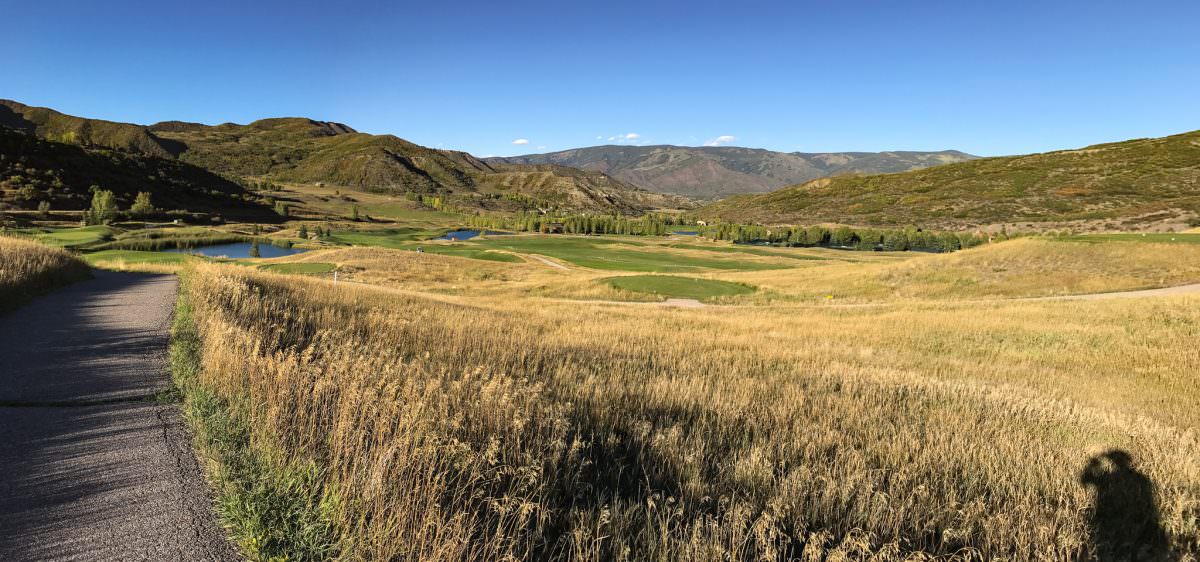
(303, 150)
(712, 172)
(33, 170)
(1143, 183)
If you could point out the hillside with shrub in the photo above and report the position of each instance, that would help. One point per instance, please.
(711, 172)
(315, 152)
(1125, 185)
(300, 150)
(40, 174)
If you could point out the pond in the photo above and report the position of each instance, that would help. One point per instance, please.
(237, 250)
(686, 233)
(466, 234)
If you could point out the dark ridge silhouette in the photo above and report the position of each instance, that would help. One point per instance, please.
(1125, 523)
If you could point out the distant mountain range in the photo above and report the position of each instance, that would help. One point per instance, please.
(715, 172)
(1135, 184)
(308, 151)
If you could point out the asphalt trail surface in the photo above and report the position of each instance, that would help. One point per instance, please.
(95, 464)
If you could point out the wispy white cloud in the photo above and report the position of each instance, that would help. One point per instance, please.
(627, 137)
(542, 147)
(521, 141)
(599, 137)
(723, 139)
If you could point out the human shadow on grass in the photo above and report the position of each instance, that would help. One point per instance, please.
(1125, 523)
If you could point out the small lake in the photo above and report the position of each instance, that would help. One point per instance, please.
(237, 250)
(686, 233)
(467, 234)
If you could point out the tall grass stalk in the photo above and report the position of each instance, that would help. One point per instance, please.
(422, 429)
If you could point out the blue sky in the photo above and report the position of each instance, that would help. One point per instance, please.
(984, 77)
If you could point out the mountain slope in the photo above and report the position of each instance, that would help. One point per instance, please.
(307, 151)
(33, 170)
(1124, 184)
(713, 172)
(54, 126)
(316, 152)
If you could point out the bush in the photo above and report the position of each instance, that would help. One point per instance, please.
(142, 206)
(104, 208)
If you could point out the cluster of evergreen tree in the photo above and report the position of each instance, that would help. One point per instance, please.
(844, 237)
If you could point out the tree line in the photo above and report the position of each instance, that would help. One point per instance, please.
(647, 225)
(909, 238)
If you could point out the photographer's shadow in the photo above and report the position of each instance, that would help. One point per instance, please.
(1125, 525)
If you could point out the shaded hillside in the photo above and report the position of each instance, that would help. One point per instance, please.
(33, 170)
(54, 126)
(713, 172)
(1124, 184)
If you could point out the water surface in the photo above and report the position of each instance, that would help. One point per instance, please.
(466, 234)
(237, 250)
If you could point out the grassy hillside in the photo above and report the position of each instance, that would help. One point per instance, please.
(33, 171)
(1021, 268)
(304, 151)
(301, 150)
(1121, 185)
(708, 172)
(514, 429)
(54, 126)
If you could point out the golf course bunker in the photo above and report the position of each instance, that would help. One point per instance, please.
(673, 286)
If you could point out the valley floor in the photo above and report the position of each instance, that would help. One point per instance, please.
(848, 403)
(471, 401)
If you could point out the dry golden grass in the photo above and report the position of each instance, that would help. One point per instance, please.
(28, 268)
(451, 275)
(504, 428)
(1026, 267)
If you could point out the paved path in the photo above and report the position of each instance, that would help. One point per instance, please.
(548, 261)
(92, 467)
(1193, 289)
(1163, 292)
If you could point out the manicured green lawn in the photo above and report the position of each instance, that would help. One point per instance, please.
(387, 238)
(601, 253)
(681, 287)
(137, 256)
(74, 237)
(306, 268)
(467, 252)
(734, 249)
(1154, 237)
